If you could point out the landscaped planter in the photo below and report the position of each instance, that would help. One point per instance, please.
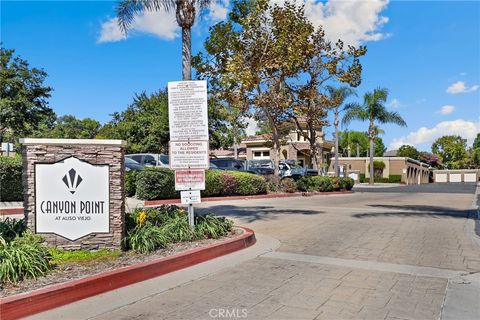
(25, 304)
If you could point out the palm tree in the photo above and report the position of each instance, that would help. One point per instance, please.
(337, 96)
(373, 109)
(185, 13)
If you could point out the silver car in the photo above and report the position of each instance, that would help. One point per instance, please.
(150, 159)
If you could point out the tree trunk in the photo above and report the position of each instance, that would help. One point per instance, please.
(358, 150)
(313, 149)
(186, 54)
(235, 147)
(371, 137)
(337, 169)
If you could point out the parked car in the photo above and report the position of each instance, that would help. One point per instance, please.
(150, 159)
(261, 166)
(290, 168)
(131, 164)
(231, 164)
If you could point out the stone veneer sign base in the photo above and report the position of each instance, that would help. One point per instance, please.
(74, 191)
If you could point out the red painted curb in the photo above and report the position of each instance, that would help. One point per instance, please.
(10, 211)
(259, 196)
(25, 304)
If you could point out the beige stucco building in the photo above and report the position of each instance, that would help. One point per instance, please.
(410, 170)
(294, 146)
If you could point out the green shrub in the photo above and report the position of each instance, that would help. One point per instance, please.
(177, 229)
(362, 178)
(249, 184)
(213, 183)
(130, 183)
(377, 165)
(145, 238)
(378, 179)
(394, 178)
(11, 179)
(322, 184)
(156, 183)
(211, 226)
(305, 184)
(273, 183)
(11, 228)
(347, 183)
(23, 257)
(336, 183)
(229, 184)
(288, 185)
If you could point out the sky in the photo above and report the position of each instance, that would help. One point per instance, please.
(427, 53)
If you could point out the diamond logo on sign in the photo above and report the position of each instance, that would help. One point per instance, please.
(72, 180)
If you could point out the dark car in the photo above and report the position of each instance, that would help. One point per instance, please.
(131, 164)
(231, 164)
(262, 166)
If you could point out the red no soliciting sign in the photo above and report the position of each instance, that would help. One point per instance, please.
(190, 179)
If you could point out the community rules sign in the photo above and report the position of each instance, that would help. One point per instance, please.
(187, 110)
(71, 198)
(189, 155)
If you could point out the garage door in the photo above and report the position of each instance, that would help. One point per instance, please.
(441, 177)
(470, 177)
(455, 177)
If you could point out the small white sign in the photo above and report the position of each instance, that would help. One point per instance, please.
(188, 110)
(189, 179)
(190, 197)
(189, 155)
(72, 198)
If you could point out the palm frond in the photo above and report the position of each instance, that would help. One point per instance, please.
(391, 117)
(128, 9)
(353, 111)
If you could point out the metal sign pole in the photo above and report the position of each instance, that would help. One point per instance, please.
(191, 215)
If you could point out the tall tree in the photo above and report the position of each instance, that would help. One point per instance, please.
(452, 151)
(23, 97)
(476, 151)
(185, 12)
(372, 110)
(338, 97)
(408, 151)
(144, 124)
(256, 52)
(69, 127)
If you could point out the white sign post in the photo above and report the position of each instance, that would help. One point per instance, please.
(188, 121)
(72, 198)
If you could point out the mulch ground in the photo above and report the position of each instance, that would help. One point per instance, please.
(76, 271)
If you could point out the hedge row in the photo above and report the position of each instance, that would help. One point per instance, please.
(11, 179)
(324, 184)
(393, 178)
(158, 183)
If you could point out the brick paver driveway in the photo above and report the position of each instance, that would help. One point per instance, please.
(377, 254)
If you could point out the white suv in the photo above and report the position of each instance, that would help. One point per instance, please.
(150, 159)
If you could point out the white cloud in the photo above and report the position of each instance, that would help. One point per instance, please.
(252, 126)
(446, 109)
(354, 22)
(395, 103)
(159, 23)
(218, 10)
(466, 129)
(460, 87)
(111, 32)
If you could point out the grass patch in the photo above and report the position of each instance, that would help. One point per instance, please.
(63, 257)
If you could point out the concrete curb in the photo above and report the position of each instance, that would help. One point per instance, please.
(259, 196)
(22, 305)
